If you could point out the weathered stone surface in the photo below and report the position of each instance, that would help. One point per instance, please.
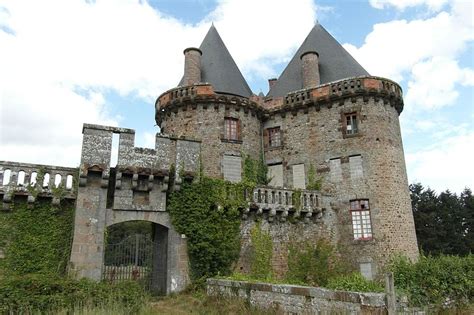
(294, 299)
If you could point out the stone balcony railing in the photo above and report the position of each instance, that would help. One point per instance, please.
(22, 179)
(284, 203)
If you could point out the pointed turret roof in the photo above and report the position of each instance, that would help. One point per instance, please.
(335, 63)
(219, 68)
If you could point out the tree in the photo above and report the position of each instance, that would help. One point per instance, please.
(444, 222)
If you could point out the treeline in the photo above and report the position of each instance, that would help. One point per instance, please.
(444, 222)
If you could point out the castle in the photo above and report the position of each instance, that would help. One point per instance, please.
(325, 114)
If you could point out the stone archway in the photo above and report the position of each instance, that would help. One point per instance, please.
(137, 251)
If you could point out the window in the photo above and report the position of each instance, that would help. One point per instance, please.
(274, 138)
(231, 129)
(232, 168)
(351, 127)
(361, 225)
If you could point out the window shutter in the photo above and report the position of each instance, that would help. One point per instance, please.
(239, 129)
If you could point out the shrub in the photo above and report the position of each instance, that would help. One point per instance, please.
(313, 264)
(442, 280)
(354, 282)
(47, 293)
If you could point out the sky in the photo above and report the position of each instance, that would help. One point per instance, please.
(68, 62)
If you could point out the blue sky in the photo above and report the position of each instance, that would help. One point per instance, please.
(64, 63)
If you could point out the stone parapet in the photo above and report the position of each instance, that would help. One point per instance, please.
(296, 299)
(321, 95)
(282, 204)
(23, 179)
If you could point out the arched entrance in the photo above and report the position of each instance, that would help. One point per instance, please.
(136, 251)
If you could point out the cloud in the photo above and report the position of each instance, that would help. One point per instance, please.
(433, 5)
(59, 59)
(446, 164)
(433, 83)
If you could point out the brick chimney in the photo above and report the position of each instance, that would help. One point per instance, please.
(310, 69)
(192, 65)
(272, 82)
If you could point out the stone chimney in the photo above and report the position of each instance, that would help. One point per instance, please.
(272, 82)
(310, 69)
(192, 66)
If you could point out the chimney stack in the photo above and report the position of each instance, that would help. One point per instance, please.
(271, 82)
(192, 66)
(310, 69)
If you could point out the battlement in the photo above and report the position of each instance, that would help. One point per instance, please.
(140, 179)
(339, 91)
(36, 180)
(321, 95)
(202, 93)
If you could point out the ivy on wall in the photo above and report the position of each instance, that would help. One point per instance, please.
(207, 212)
(261, 255)
(36, 238)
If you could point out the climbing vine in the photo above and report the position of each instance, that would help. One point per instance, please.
(207, 212)
(314, 182)
(261, 257)
(255, 170)
(36, 238)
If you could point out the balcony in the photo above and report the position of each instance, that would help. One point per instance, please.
(281, 203)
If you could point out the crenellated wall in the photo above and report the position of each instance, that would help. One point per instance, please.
(133, 190)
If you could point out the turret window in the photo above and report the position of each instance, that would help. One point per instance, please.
(231, 129)
(361, 223)
(351, 124)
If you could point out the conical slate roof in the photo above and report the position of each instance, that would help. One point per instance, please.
(335, 63)
(219, 68)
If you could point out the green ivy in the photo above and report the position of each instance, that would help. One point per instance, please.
(207, 212)
(255, 171)
(314, 182)
(36, 238)
(296, 199)
(261, 255)
(354, 282)
(313, 264)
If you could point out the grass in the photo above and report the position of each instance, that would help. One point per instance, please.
(196, 302)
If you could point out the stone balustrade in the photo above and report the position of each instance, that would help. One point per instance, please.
(33, 180)
(283, 202)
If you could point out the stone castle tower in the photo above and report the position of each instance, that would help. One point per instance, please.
(326, 113)
(324, 117)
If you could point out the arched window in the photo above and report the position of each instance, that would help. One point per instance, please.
(34, 176)
(46, 180)
(21, 178)
(57, 180)
(69, 179)
(6, 177)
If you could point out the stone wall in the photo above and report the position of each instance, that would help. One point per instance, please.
(294, 299)
(367, 165)
(133, 190)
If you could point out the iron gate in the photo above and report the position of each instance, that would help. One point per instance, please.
(130, 259)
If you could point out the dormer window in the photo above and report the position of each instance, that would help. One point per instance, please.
(231, 128)
(351, 124)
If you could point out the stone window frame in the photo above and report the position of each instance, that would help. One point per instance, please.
(228, 135)
(274, 137)
(351, 111)
(361, 219)
(354, 121)
(267, 137)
